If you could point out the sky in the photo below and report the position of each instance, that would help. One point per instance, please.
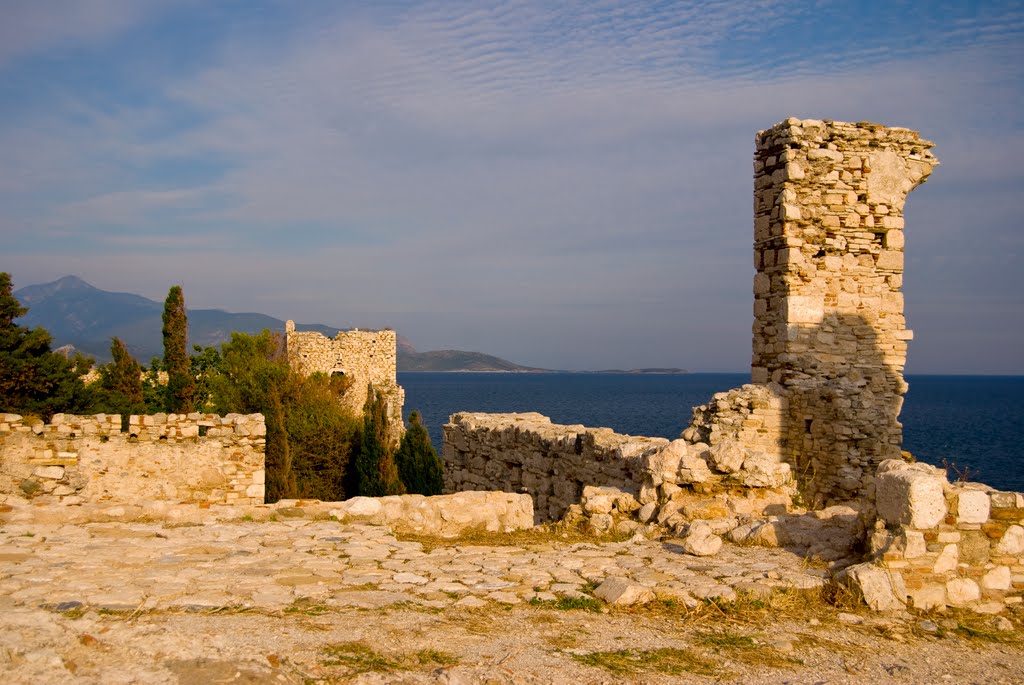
(563, 184)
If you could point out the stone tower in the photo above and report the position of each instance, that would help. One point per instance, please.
(364, 357)
(828, 311)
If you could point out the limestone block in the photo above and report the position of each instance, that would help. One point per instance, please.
(913, 544)
(693, 469)
(910, 494)
(598, 500)
(623, 592)
(947, 560)
(647, 512)
(973, 506)
(255, 490)
(928, 597)
(701, 540)
(998, 579)
(1012, 542)
(48, 472)
(726, 457)
(882, 590)
(762, 470)
(962, 591)
(663, 465)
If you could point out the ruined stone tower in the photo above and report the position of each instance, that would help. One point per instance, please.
(363, 357)
(828, 311)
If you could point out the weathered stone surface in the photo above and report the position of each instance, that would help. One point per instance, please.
(622, 591)
(910, 494)
(761, 470)
(973, 506)
(998, 579)
(1012, 542)
(726, 457)
(962, 591)
(701, 540)
(882, 590)
(162, 457)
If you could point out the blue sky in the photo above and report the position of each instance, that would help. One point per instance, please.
(566, 185)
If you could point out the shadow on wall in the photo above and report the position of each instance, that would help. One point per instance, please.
(844, 396)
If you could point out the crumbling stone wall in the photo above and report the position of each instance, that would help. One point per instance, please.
(557, 465)
(938, 544)
(362, 357)
(86, 459)
(829, 325)
(527, 453)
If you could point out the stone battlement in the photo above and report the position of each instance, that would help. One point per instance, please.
(79, 459)
(362, 357)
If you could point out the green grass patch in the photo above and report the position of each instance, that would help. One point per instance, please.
(666, 660)
(357, 657)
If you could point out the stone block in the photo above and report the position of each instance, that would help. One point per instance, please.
(973, 506)
(623, 592)
(48, 472)
(882, 590)
(726, 457)
(927, 597)
(1012, 543)
(962, 591)
(701, 540)
(762, 470)
(910, 494)
(998, 579)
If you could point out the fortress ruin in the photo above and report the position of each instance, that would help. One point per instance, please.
(364, 358)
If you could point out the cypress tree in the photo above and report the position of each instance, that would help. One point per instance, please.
(181, 385)
(419, 467)
(120, 384)
(375, 474)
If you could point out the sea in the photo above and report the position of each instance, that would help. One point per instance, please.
(971, 425)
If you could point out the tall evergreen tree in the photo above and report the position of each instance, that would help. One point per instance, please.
(419, 467)
(375, 474)
(120, 384)
(33, 378)
(253, 377)
(181, 385)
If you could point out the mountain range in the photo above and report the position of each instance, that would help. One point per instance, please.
(86, 318)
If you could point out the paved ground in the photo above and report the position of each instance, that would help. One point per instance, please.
(317, 601)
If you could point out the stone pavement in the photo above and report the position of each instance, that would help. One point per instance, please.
(272, 565)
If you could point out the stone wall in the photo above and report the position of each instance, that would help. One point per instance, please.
(363, 357)
(829, 325)
(938, 544)
(557, 465)
(552, 463)
(82, 459)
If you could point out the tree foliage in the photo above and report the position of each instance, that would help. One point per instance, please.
(419, 467)
(253, 377)
(322, 435)
(180, 391)
(33, 378)
(375, 474)
(119, 389)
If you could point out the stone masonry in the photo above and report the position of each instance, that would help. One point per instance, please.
(364, 357)
(939, 544)
(828, 311)
(75, 460)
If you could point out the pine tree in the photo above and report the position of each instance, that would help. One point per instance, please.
(180, 382)
(419, 467)
(375, 474)
(34, 379)
(120, 384)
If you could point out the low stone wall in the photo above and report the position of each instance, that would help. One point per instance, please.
(442, 515)
(938, 544)
(551, 462)
(80, 459)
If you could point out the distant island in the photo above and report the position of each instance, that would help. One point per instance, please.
(83, 318)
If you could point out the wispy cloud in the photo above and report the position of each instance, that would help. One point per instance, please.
(506, 164)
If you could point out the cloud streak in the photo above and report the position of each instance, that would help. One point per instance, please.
(565, 184)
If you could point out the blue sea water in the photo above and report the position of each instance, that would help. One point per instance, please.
(972, 422)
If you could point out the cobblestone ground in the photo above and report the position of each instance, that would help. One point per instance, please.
(318, 601)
